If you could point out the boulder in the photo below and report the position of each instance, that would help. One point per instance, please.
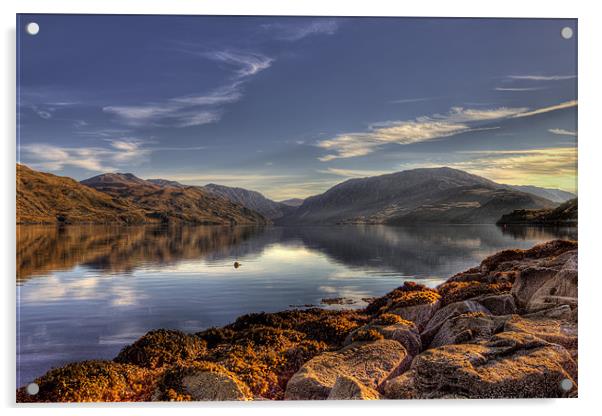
(405, 333)
(419, 314)
(203, 381)
(511, 364)
(552, 330)
(349, 388)
(371, 363)
(401, 387)
(498, 304)
(548, 284)
(468, 327)
(449, 311)
(162, 347)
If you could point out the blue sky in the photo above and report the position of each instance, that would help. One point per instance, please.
(290, 106)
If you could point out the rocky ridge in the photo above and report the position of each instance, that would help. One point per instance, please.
(504, 329)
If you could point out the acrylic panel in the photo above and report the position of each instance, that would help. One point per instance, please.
(295, 208)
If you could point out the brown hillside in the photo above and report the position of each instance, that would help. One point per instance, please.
(43, 198)
(189, 204)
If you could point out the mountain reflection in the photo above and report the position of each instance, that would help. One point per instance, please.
(403, 250)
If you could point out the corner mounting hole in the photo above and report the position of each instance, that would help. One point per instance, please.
(32, 28)
(566, 32)
(566, 384)
(32, 389)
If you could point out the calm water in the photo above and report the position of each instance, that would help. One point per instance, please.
(83, 292)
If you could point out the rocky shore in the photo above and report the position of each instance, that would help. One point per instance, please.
(504, 329)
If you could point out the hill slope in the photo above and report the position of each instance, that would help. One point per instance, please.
(43, 198)
(167, 203)
(565, 213)
(554, 195)
(441, 195)
(250, 199)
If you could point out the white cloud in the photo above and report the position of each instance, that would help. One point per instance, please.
(519, 89)
(541, 77)
(561, 106)
(563, 132)
(185, 111)
(123, 152)
(354, 173)
(195, 109)
(456, 121)
(294, 32)
(410, 100)
(247, 63)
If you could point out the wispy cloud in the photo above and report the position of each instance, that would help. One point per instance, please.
(561, 106)
(196, 109)
(541, 77)
(120, 153)
(563, 132)
(354, 173)
(519, 89)
(549, 167)
(298, 31)
(457, 120)
(184, 111)
(245, 63)
(411, 100)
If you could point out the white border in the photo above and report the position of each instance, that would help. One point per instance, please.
(590, 70)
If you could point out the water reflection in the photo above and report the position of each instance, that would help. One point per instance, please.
(85, 291)
(409, 251)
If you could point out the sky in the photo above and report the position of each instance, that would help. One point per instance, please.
(290, 106)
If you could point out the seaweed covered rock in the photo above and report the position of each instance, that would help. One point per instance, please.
(404, 332)
(162, 347)
(412, 302)
(201, 381)
(511, 364)
(503, 304)
(468, 327)
(350, 388)
(446, 313)
(458, 291)
(92, 381)
(370, 363)
(556, 331)
(541, 287)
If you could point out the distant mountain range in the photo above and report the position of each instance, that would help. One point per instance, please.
(564, 214)
(437, 195)
(293, 202)
(554, 195)
(433, 195)
(252, 200)
(120, 198)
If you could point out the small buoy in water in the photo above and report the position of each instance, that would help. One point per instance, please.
(237, 265)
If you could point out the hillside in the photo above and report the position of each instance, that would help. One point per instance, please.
(554, 195)
(43, 198)
(293, 202)
(441, 195)
(565, 214)
(250, 199)
(190, 204)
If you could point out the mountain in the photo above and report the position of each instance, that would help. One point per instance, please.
(190, 204)
(554, 195)
(43, 198)
(166, 183)
(564, 214)
(293, 202)
(440, 195)
(250, 199)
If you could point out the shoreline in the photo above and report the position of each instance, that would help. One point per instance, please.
(314, 353)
